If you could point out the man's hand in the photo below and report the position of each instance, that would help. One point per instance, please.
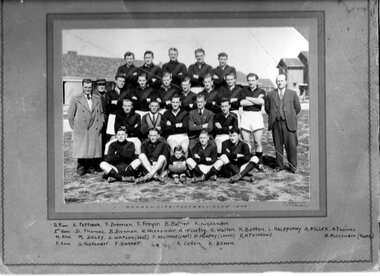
(191, 105)
(168, 123)
(233, 100)
(215, 76)
(168, 102)
(114, 102)
(218, 125)
(213, 103)
(197, 156)
(195, 76)
(148, 100)
(205, 125)
(178, 125)
(239, 155)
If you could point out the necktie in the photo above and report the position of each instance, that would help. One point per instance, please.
(88, 97)
(281, 94)
(200, 112)
(154, 119)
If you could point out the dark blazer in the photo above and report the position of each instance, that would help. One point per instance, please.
(291, 108)
(196, 122)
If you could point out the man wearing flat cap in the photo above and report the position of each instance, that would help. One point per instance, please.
(86, 118)
(101, 92)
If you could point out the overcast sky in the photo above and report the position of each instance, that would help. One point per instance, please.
(255, 50)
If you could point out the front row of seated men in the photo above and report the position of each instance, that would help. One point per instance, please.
(123, 164)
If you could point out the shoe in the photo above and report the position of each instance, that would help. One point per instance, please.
(183, 178)
(214, 178)
(248, 179)
(111, 179)
(159, 178)
(140, 180)
(292, 170)
(260, 168)
(91, 170)
(278, 169)
(176, 179)
(235, 178)
(128, 179)
(198, 179)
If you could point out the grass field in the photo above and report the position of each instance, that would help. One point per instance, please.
(268, 185)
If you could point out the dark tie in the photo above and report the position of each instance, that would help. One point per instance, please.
(89, 97)
(200, 112)
(154, 119)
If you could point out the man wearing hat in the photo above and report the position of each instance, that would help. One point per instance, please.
(86, 118)
(101, 92)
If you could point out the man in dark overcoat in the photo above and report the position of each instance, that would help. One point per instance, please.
(86, 118)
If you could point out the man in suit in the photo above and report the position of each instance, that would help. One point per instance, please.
(177, 69)
(282, 107)
(86, 118)
(199, 119)
(222, 71)
(198, 70)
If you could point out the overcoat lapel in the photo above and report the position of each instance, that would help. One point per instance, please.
(276, 98)
(84, 102)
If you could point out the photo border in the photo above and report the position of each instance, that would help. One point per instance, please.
(223, 212)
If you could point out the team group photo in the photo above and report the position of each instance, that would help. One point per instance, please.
(207, 121)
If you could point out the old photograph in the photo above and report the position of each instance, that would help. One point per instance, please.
(186, 114)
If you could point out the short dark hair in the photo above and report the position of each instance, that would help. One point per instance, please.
(204, 132)
(166, 74)
(143, 75)
(201, 95)
(178, 148)
(252, 75)
(128, 101)
(154, 129)
(128, 54)
(231, 74)
(234, 130)
(199, 50)
(175, 95)
(224, 99)
(186, 79)
(122, 128)
(173, 49)
(148, 53)
(208, 75)
(86, 81)
(222, 54)
(121, 75)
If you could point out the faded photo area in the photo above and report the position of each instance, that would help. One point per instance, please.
(245, 169)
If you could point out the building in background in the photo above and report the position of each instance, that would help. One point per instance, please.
(297, 71)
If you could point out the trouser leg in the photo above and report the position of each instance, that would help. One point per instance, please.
(278, 141)
(290, 142)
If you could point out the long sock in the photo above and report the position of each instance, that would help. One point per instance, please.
(211, 172)
(247, 169)
(131, 172)
(197, 171)
(232, 168)
(259, 155)
(114, 174)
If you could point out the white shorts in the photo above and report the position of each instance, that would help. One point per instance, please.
(205, 168)
(219, 139)
(178, 139)
(252, 120)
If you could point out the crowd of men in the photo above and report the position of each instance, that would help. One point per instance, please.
(193, 122)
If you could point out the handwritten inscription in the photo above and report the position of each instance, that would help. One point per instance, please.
(183, 233)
